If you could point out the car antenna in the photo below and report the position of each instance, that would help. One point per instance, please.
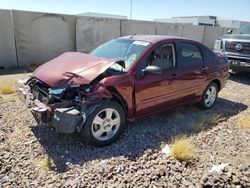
(132, 35)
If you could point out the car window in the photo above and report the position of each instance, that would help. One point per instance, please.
(244, 29)
(127, 50)
(208, 55)
(163, 56)
(190, 54)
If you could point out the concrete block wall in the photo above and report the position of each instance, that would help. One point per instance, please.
(92, 32)
(211, 34)
(169, 29)
(7, 43)
(193, 32)
(42, 36)
(28, 38)
(130, 27)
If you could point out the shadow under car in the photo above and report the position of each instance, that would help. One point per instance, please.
(143, 134)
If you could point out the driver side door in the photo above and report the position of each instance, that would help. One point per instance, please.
(154, 92)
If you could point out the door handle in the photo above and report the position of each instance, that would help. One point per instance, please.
(173, 76)
(204, 68)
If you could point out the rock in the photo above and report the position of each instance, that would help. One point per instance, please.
(139, 158)
(207, 185)
(146, 184)
(236, 180)
(178, 177)
(186, 183)
(218, 168)
(166, 150)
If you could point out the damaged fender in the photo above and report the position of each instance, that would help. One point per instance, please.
(69, 120)
(89, 110)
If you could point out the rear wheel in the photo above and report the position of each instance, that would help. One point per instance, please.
(209, 96)
(104, 125)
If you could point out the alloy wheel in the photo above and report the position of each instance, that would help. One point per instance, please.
(210, 96)
(106, 124)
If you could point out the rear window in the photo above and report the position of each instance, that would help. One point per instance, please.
(209, 55)
(190, 54)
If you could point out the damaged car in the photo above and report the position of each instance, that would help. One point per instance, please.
(122, 80)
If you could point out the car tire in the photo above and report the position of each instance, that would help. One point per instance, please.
(209, 96)
(104, 125)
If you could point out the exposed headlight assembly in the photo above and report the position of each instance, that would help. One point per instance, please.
(57, 91)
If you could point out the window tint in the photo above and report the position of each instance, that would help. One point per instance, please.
(245, 29)
(163, 56)
(190, 54)
(121, 49)
(209, 55)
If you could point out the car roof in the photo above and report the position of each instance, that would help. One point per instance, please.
(154, 38)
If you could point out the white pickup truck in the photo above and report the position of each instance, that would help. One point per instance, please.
(236, 45)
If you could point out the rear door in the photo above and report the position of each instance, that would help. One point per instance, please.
(193, 69)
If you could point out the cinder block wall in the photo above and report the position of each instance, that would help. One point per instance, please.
(42, 36)
(92, 32)
(7, 41)
(28, 38)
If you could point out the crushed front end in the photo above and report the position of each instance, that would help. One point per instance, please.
(66, 90)
(64, 109)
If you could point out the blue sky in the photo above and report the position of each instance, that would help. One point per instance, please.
(142, 9)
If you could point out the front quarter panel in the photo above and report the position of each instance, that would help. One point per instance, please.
(122, 85)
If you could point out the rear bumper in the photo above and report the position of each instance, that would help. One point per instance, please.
(63, 119)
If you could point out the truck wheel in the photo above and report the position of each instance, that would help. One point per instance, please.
(104, 124)
(209, 96)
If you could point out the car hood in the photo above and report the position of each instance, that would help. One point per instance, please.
(71, 68)
(236, 36)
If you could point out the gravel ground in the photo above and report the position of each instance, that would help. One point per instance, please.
(32, 156)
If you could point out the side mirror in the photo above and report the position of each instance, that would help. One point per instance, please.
(229, 31)
(152, 70)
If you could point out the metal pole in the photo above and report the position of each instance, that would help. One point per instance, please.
(131, 7)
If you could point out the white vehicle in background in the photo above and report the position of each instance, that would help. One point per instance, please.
(236, 45)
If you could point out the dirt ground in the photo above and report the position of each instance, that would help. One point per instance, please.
(33, 156)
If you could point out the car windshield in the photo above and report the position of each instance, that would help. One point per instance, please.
(245, 29)
(126, 50)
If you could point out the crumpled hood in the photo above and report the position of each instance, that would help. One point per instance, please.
(71, 68)
(236, 36)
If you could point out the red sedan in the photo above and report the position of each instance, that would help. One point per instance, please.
(124, 79)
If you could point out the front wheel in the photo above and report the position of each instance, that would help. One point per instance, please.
(209, 96)
(104, 124)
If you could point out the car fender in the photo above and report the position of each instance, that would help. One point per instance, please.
(99, 92)
(87, 110)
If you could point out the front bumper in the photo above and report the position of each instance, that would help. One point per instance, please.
(239, 62)
(61, 117)
(38, 109)
(239, 65)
